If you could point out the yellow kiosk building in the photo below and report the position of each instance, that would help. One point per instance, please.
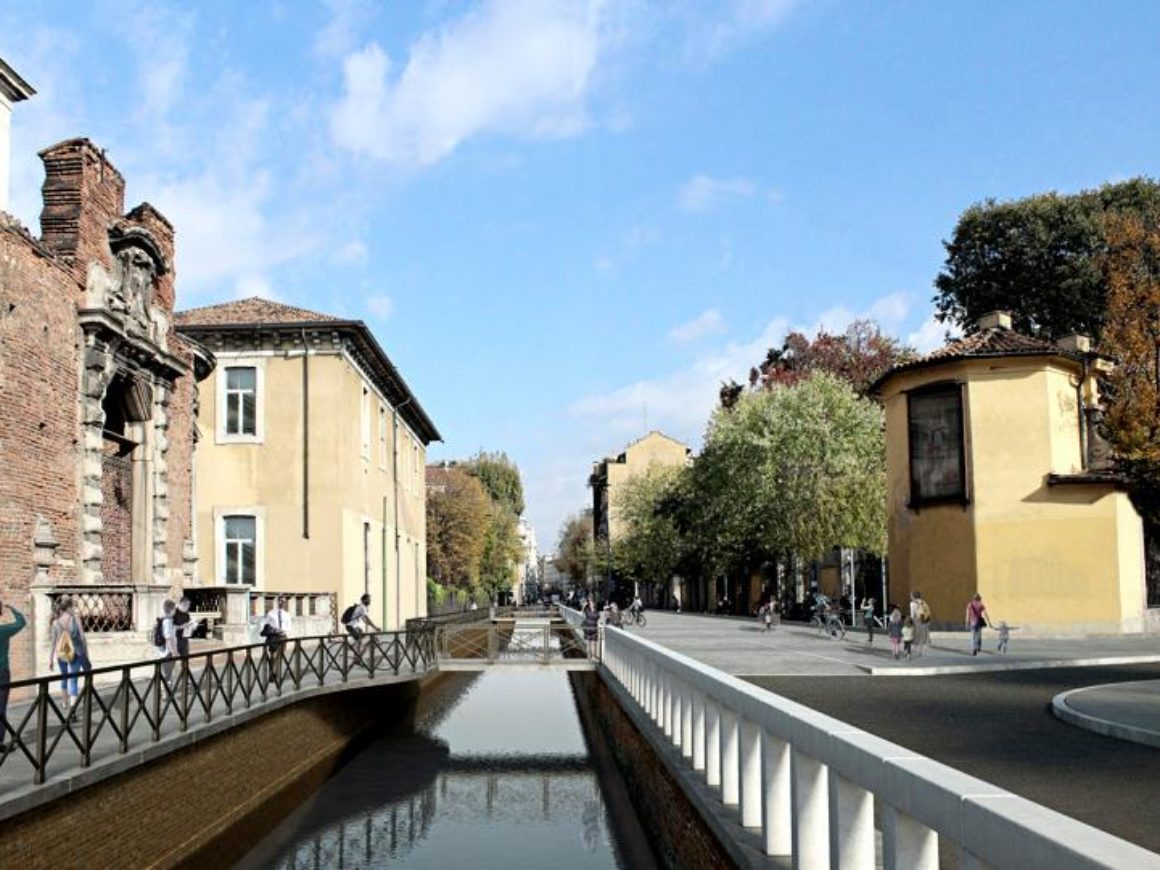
(999, 484)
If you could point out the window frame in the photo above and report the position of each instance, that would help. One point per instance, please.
(915, 500)
(221, 516)
(222, 435)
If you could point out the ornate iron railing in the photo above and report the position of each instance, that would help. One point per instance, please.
(122, 707)
(99, 611)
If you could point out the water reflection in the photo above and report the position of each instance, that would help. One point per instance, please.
(497, 775)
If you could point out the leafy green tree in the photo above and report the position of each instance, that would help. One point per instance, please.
(501, 552)
(500, 477)
(1040, 258)
(649, 547)
(792, 470)
(575, 554)
(458, 518)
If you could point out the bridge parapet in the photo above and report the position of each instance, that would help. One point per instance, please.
(813, 785)
(130, 709)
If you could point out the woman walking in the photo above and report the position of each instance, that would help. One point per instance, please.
(894, 627)
(976, 622)
(71, 650)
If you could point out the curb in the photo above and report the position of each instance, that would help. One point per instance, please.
(936, 670)
(1118, 730)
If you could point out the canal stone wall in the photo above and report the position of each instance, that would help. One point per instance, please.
(207, 805)
(679, 834)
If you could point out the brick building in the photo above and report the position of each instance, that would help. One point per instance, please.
(98, 430)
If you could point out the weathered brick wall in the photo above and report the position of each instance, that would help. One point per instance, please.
(208, 805)
(180, 462)
(83, 195)
(681, 837)
(39, 426)
(116, 515)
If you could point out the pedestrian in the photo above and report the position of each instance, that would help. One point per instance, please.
(920, 616)
(70, 649)
(1004, 636)
(976, 618)
(592, 629)
(767, 615)
(868, 618)
(182, 626)
(275, 629)
(165, 639)
(894, 628)
(7, 631)
(907, 636)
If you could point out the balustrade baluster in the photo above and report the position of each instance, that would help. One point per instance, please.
(777, 807)
(712, 743)
(678, 694)
(730, 769)
(906, 843)
(811, 812)
(698, 731)
(686, 722)
(750, 774)
(851, 824)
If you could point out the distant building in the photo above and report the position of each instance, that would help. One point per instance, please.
(608, 477)
(527, 571)
(998, 483)
(609, 474)
(311, 472)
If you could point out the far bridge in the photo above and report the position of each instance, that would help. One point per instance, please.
(512, 639)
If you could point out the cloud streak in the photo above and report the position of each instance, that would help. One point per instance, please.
(708, 322)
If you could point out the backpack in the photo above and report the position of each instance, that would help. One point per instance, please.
(65, 651)
(923, 611)
(348, 615)
(159, 633)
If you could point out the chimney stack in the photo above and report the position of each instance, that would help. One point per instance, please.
(84, 195)
(13, 89)
(995, 320)
(1074, 342)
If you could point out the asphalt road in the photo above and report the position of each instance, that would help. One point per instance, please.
(998, 727)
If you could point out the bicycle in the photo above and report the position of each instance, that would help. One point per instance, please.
(828, 623)
(635, 618)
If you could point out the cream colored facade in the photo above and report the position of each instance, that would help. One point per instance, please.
(333, 474)
(609, 474)
(1051, 545)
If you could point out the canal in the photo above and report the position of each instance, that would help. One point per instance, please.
(497, 773)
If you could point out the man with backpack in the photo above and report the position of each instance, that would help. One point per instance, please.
(355, 618)
(165, 639)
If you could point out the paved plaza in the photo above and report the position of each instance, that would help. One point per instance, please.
(741, 647)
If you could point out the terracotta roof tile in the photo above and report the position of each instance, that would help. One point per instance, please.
(992, 342)
(252, 310)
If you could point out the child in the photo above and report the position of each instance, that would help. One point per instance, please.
(767, 616)
(1004, 636)
(907, 635)
(895, 629)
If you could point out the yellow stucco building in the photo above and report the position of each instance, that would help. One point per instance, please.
(998, 484)
(310, 469)
(610, 473)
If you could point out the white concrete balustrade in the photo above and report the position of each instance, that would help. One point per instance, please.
(810, 783)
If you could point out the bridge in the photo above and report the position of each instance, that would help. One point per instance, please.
(134, 712)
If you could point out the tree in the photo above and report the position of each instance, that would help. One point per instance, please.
(574, 552)
(501, 478)
(501, 552)
(858, 355)
(1040, 258)
(649, 547)
(458, 517)
(1132, 334)
(791, 470)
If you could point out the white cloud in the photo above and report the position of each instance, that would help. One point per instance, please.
(508, 67)
(352, 252)
(255, 285)
(603, 264)
(703, 192)
(931, 335)
(340, 35)
(889, 312)
(380, 305)
(709, 322)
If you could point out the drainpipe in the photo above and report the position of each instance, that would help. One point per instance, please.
(398, 533)
(305, 437)
(1081, 405)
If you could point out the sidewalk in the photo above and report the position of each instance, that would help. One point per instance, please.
(1126, 711)
(739, 646)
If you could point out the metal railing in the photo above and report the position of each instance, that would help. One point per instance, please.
(123, 707)
(510, 645)
(814, 785)
(99, 610)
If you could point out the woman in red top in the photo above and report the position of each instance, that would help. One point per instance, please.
(976, 622)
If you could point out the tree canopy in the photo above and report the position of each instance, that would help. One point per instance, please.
(500, 477)
(1040, 258)
(458, 510)
(574, 551)
(649, 547)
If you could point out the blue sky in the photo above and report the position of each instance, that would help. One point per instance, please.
(563, 219)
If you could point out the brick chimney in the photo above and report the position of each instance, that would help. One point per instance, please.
(84, 195)
(995, 320)
(13, 89)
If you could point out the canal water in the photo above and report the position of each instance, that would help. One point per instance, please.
(498, 774)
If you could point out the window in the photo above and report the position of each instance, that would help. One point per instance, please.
(242, 400)
(240, 535)
(937, 458)
(384, 456)
(366, 423)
